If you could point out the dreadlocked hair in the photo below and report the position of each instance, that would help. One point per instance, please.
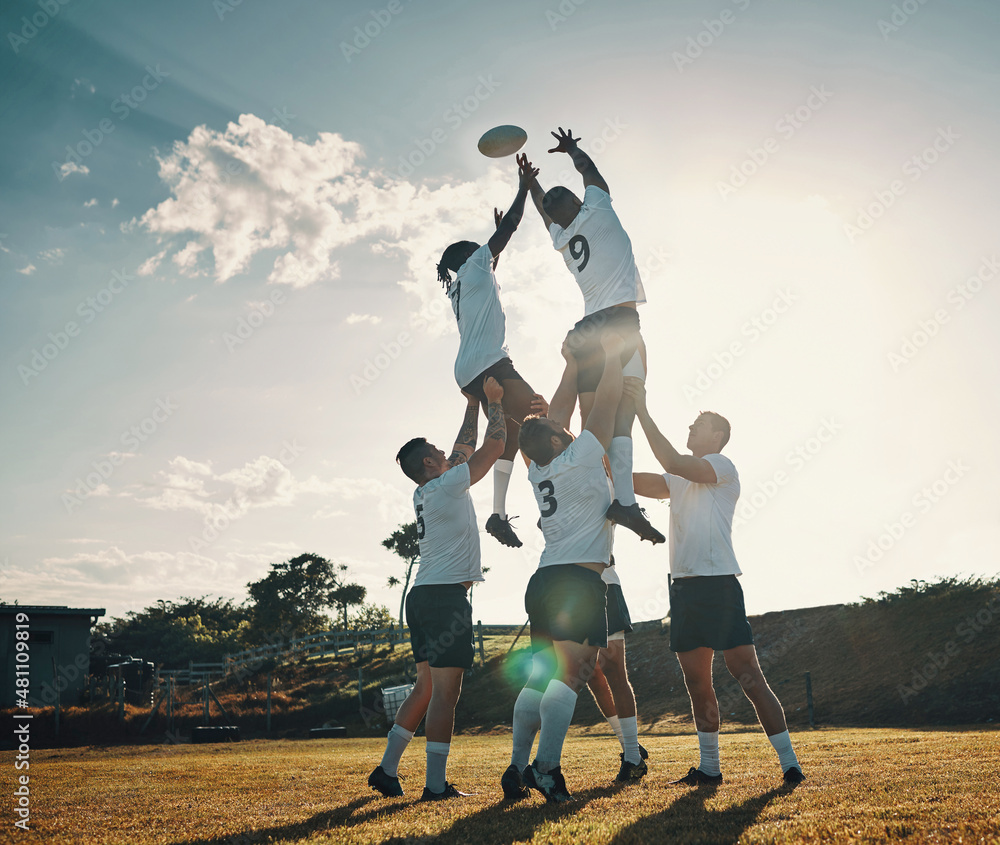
(452, 259)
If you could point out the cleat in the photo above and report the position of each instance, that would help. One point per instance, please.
(551, 784)
(643, 754)
(448, 792)
(696, 777)
(514, 788)
(499, 527)
(634, 518)
(632, 772)
(386, 784)
(794, 776)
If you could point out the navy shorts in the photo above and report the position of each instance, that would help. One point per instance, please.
(439, 617)
(502, 369)
(708, 612)
(584, 341)
(566, 602)
(618, 615)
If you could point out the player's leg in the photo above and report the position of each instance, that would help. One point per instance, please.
(696, 666)
(574, 665)
(613, 658)
(385, 778)
(743, 665)
(528, 719)
(446, 683)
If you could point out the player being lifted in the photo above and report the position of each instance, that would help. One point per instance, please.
(449, 564)
(482, 351)
(565, 598)
(598, 252)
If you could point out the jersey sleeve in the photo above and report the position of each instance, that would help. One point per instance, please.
(666, 477)
(478, 267)
(457, 480)
(586, 450)
(556, 232)
(594, 197)
(725, 469)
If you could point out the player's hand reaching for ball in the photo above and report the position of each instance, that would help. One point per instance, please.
(497, 216)
(613, 343)
(526, 172)
(493, 390)
(567, 143)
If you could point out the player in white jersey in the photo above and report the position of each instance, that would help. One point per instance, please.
(482, 351)
(598, 253)
(438, 612)
(707, 612)
(610, 685)
(565, 598)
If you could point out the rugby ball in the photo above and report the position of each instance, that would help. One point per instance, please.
(502, 141)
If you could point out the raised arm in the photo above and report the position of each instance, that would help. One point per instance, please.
(650, 484)
(495, 439)
(564, 399)
(465, 442)
(537, 195)
(601, 421)
(509, 222)
(581, 161)
(686, 466)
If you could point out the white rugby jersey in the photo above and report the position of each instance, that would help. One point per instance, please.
(573, 494)
(701, 522)
(598, 253)
(482, 325)
(447, 530)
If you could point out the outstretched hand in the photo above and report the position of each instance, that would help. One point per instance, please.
(493, 390)
(567, 143)
(497, 216)
(526, 172)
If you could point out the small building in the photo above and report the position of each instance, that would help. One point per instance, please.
(58, 652)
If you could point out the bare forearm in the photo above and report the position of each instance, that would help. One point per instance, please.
(496, 428)
(468, 434)
(663, 450)
(537, 195)
(564, 399)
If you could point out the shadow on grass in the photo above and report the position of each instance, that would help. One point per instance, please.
(340, 817)
(687, 820)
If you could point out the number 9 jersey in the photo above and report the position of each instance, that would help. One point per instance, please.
(598, 252)
(573, 493)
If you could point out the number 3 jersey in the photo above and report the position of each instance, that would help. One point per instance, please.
(447, 530)
(598, 252)
(573, 493)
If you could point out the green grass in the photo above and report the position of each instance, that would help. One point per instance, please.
(864, 785)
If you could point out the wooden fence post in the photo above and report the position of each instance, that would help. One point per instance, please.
(206, 702)
(479, 636)
(55, 686)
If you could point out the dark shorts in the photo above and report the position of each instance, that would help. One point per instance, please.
(584, 341)
(502, 369)
(618, 615)
(708, 612)
(440, 620)
(566, 602)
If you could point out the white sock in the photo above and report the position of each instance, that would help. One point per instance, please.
(630, 739)
(399, 738)
(620, 455)
(501, 479)
(437, 765)
(708, 744)
(556, 709)
(616, 726)
(786, 755)
(527, 721)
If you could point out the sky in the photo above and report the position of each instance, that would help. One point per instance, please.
(219, 223)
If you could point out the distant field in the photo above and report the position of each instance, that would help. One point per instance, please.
(864, 785)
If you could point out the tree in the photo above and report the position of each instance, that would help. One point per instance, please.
(347, 596)
(371, 617)
(403, 542)
(292, 598)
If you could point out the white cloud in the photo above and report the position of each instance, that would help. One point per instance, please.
(53, 256)
(352, 319)
(114, 202)
(90, 203)
(27, 271)
(69, 167)
(150, 265)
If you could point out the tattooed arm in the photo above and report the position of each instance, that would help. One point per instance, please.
(465, 443)
(495, 439)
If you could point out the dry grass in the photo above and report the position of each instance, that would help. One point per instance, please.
(863, 786)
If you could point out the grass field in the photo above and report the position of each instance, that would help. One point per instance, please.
(863, 786)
